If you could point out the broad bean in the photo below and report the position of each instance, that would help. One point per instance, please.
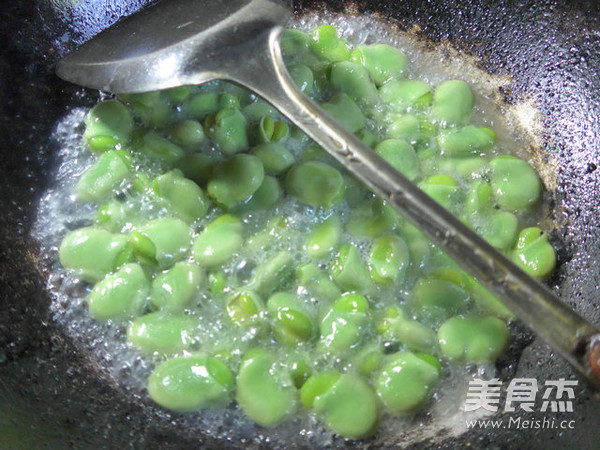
(534, 253)
(161, 333)
(383, 61)
(176, 288)
(350, 272)
(336, 398)
(315, 183)
(92, 252)
(265, 391)
(516, 186)
(190, 383)
(104, 177)
(120, 295)
(407, 381)
(227, 129)
(161, 242)
(290, 321)
(453, 102)
(324, 239)
(108, 125)
(235, 180)
(219, 240)
(185, 197)
(473, 339)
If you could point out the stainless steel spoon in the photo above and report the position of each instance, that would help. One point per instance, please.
(184, 42)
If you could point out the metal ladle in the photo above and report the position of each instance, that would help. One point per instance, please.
(186, 42)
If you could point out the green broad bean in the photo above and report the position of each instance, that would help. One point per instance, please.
(375, 219)
(443, 189)
(317, 283)
(120, 295)
(419, 246)
(368, 137)
(435, 298)
(500, 230)
(230, 100)
(191, 383)
(315, 183)
(175, 289)
(141, 183)
(314, 152)
(161, 242)
(303, 77)
(350, 272)
(92, 252)
(265, 391)
(470, 167)
(162, 334)
(235, 180)
(473, 339)
(324, 239)
(276, 229)
(326, 43)
(515, 184)
(344, 110)
(488, 302)
(534, 253)
(152, 108)
(178, 94)
(290, 321)
(217, 283)
(188, 134)
(155, 146)
(113, 215)
(270, 130)
(344, 325)
(388, 259)
(294, 42)
(396, 327)
(453, 102)
(257, 110)
(299, 370)
(406, 127)
(274, 157)
(185, 197)
(107, 126)
(265, 197)
(272, 274)
(355, 194)
(198, 167)
(336, 398)
(401, 156)
(201, 105)
(354, 80)
(368, 359)
(316, 385)
(406, 94)
(227, 129)
(383, 61)
(407, 381)
(245, 307)
(478, 197)
(219, 240)
(104, 177)
(466, 141)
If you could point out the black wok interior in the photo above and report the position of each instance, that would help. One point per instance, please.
(53, 394)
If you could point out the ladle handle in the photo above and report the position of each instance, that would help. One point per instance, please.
(533, 303)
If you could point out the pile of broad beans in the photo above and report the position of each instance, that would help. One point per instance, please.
(254, 269)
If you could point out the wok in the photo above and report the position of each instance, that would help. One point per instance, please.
(54, 393)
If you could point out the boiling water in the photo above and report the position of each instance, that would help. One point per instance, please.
(60, 212)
